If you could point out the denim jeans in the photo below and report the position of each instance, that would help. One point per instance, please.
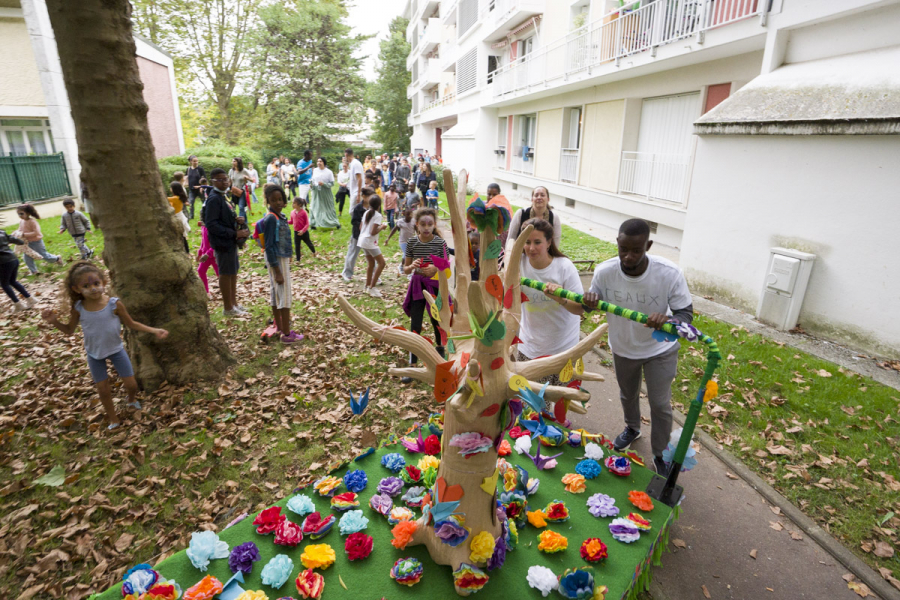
(390, 216)
(39, 247)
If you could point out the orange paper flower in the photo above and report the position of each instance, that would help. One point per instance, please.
(204, 589)
(550, 542)
(536, 518)
(317, 556)
(403, 532)
(505, 449)
(641, 500)
(574, 483)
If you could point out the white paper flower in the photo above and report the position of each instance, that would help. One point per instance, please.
(594, 451)
(523, 444)
(542, 579)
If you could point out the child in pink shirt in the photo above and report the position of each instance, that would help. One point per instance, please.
(300, 220)
(206, 256)
(390, 204)
(34, 239)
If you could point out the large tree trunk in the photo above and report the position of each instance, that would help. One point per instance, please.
(144, 248)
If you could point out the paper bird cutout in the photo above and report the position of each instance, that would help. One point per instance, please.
(442, 264)
(663, 336)
(541, 461)
(489, 484)
(414, 445)
(535, 401)
(446, 500)
(358, 406)
(232, 588)
(539, 428)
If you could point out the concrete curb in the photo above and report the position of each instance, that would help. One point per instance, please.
(840, 553)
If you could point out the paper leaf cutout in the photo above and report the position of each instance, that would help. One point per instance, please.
(476, 387)
(435, 312)
(567, 372)
(491, 410)
(517, 382)
(446, 381)
(493, 250)
(358, 406)
(494, 286)
(489, 484)
(451, 347)
(55, 478)
(449, 493)
(515, 340)
(497, 363)
(494, 333)
(464, 360)
(508, 299)
(560, 409)
(579, 366)
(438, 301)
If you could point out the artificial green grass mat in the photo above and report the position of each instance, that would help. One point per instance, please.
(370, 578)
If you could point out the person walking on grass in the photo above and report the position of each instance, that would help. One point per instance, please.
(101, 318)
(656, 287)
(368, 242)
(321, 200)
(194, 174)
(539, 209)
(9, 269)
(276, 235)
(300, 220)
(406, 225)
(432, 195)
(34, 239)
(391, 197)
(77, 225)
(224, 234)
(356, 177)
(304, 174)
(206, 257)
(356, 217)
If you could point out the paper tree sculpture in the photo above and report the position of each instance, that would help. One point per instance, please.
(478, 383)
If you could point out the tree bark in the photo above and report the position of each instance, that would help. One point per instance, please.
(143, 242)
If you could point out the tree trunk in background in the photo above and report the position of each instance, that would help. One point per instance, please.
(144, 248)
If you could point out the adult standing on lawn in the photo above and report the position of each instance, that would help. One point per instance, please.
(539, 209)
(403, 174)
(304, 174)
(194, 174)
(322, 213)
(239, 177)
(343, 179)
(356, 177)
(222, 226)
(656, 287)
(424, 178)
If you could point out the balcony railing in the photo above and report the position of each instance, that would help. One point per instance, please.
(500, 153)
(523, 162)
(568, 165)
(655, 176)
(445, 100)
(636, 27)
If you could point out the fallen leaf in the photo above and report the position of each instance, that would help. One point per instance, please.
(824, 373)
(123, 542)
(731, 475)
(796, 536)
(679, 543)
(883, 550)
(861, 589)
(54, 478)
(705, 591)
(776, 525)
(753, 554)
(775, 510)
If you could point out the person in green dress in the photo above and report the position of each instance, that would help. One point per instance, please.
(321, 199)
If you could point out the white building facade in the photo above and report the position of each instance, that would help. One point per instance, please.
(597, 100)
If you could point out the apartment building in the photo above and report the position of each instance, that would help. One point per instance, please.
(630, 108)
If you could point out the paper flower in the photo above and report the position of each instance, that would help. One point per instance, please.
(411, 474)
(345, 501)
(205, 589)
(428, 461)
(635, 457)
(393, 462)
(504, 449)
(481, 547)
(575, 438)
(381, 503)
(277, 571)
(356, 481)
(574, 483)
(310, 584)
(517, 432)
(268, 520)
(317, 556)
(551, 542)
(429, 476)
(542, 579)
(588, 468)
(514, 503)
(452, 531)
(686, 331)
(536, 519)
(577, 584)
(242, 558)
(353, 522)
(593, 550)
(624, 530)
(301, 504)
(510, 479)
(139, 579)
(163, 590)
(315, 526)
(619, 465)
(503, 466)
(472, 443)
(403, 532)
(407, 571)
(390, 486)
(326, 486)
(639, 521)
(432, 445)
(523, 444)
(414, 496)
(641, 500)
(499, 556)
(593, 451)
(469, 577)
(400, 513)
(204, 546)
(556, 512)
(288, 534)
(669, 453)
(532, 486)
(358, 545)
(601, 505)
(254, 594)
(512, 535)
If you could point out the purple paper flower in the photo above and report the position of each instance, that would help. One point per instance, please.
(574, 439)
(499, 557)
(601, 505)
(624, 530)
(589, 468)
(687, 331)
(390, 486)
(356, 481)
(382, 504)
(393, 462)
(471, 443)
(242, 558)
(451, 532)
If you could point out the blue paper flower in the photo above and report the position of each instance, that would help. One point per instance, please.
(352, 522)
(139, 579)
(356, 481)
(277, 571)
(393, 461)
(301, 504)
(589, 468)
(414, 496)
(577, 584)
(204, 546)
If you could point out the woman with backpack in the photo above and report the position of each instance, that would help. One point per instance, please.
(539, 209)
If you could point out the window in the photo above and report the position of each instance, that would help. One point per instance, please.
(25, 136)
(466, 77)
(526, 46)
(493, 63)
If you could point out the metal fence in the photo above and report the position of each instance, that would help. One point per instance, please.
(568, 165)
(33, 177)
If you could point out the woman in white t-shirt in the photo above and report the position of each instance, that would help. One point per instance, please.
(368, 242)
(549, 324)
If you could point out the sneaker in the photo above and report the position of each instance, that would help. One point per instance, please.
(406, 380)
(18, 307)
(136, 405)
(626, 438)
(296, 336)
(234, 312)
(375, 293)
(112, 426)
(660, 466)
(287, 339)
(380, 282)
(30, 302)
(344, 275)
(240, 308)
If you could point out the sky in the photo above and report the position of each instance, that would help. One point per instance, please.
(373, 17)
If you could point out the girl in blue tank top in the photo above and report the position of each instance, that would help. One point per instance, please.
(101, 319)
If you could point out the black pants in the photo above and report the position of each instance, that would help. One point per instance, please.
(192, 198)
(340, 197)
(8, 272)
(303, 237)
(416, 315)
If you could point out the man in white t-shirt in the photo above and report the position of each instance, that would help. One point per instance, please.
(356, 177)
(656, 287)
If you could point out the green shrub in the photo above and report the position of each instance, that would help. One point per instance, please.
(439, 173)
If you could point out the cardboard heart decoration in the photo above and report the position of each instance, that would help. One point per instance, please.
(494, 286)
(449, 493)
(508, 299)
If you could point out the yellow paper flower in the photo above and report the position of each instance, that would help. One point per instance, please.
(482, 547)
(550, 542)
(251, 595)
(327, 484)
(317, 556)
(600, 592)
(536, 518)
(574, 483)
(510, 479)
(428, 461)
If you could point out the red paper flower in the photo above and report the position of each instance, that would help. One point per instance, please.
(517, 432)
(432, 445)
(358, 545)
(310, 584)
(513, 510)
(288, 534)
(414, 473)
(593, 550)
(268, 520)
(557, 511)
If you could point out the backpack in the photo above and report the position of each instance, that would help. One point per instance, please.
(258, 234)
(526, 214)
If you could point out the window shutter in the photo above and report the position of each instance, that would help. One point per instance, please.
(466, 76)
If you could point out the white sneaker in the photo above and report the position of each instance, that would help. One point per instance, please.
(18, 307)
(346, 278)
(234, 312)
(29, 302)
(239, 307)
(375, 292)
(241, 311)
(380, 282)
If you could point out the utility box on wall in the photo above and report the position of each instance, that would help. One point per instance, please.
(784, 287)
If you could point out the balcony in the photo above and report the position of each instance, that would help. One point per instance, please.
(430, 37)
(655, 176)
(431, 72)
(636, 28)
(523, 161)
(498, 16)
(568, 165)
